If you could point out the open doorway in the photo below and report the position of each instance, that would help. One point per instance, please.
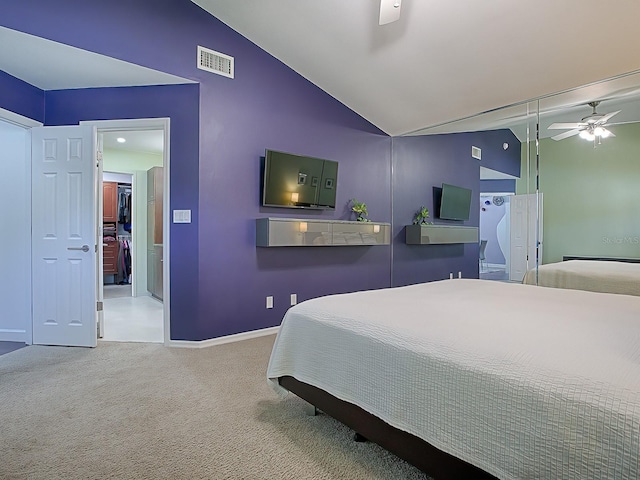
(497, 188)
(494, 236)
(132, 227)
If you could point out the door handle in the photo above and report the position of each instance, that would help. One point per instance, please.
(84, 248)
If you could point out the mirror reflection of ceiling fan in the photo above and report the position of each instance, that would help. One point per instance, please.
(389, 11)
(591, 127)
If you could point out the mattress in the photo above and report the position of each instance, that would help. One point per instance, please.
(523, 382)
(591, 275)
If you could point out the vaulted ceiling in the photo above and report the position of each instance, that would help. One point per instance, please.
(443, 60)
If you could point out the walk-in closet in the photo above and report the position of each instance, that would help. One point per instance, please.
(117, 225)
(133, 236)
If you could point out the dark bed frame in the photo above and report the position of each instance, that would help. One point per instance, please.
(434, 462)
(601, 259)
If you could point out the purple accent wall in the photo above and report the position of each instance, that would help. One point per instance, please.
(219, 130)
(180, 104)
(21, 98)
(506, 185)
(421, 163)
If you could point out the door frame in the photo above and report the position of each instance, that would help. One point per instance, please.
(164, 125)
(26, 123)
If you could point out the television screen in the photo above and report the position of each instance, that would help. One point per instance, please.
(455, 203)
(296, 181)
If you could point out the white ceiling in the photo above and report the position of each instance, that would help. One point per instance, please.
(51, 65)
(139, 141)
(443, 60)
(437, 64)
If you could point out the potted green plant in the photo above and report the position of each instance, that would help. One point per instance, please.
(360, 209)
(420, 217)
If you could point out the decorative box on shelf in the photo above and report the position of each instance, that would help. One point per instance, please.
(439, 234)
(298, 232)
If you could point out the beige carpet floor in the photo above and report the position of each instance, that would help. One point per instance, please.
(145, 411)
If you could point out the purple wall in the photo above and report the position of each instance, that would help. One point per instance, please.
(421, 163)
(21, 98)
(180, 104)
(506, 185)
(219, 130)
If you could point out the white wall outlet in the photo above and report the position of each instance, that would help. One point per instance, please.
(451, 276)
(269, 301)
(294, 299)
(459, 274)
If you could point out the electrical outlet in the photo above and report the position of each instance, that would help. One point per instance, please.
(294, 299)
(451, 276)
(269, 301)
(459, 274)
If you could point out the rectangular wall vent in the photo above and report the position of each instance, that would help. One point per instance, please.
(476, 153)
(215, 62)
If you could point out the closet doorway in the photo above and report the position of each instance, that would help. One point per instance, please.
(132, 235)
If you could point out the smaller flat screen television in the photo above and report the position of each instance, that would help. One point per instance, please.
(297, 181)
(455, 203)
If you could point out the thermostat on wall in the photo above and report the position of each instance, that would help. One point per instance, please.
(182, 216)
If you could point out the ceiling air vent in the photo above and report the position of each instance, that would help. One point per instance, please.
(215, 62)
(476, 153)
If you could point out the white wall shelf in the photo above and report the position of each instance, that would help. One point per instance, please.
(299, 232)
(439, 234)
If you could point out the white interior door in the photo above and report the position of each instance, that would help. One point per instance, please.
(64, 234)
(525, 217)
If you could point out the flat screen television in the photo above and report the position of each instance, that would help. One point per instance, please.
(296, 181)
(455, 203)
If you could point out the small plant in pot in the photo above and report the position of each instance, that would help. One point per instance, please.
(420, 217)
(360, 209)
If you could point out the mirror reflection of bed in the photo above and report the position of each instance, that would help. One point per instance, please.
(594, 274)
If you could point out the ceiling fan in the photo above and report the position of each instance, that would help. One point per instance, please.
(389, 11)
(590, 128)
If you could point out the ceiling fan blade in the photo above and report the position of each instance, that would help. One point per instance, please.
(560, 126)
(563, 135)
(389, 11)
(607, 117)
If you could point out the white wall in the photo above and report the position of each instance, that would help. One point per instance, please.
(15, 236)
(490, 216)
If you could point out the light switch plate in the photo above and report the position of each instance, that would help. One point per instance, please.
(182, 216)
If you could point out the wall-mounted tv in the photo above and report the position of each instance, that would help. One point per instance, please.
(455, 203)
(296, 181)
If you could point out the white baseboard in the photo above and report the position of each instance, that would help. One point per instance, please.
(497, 265)
(12, 335)
(237, 337)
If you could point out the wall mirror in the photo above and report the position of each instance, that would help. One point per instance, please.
(580, 152)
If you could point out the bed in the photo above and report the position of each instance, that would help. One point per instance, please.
(608, 276)
(475, 379)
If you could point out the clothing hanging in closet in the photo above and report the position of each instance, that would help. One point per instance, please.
(124, 208)
(124, 261)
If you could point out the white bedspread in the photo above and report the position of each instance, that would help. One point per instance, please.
(591, 275)
(524, 382)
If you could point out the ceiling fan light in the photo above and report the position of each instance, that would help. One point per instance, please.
(590, 137)
(584, 134)
(598, 131)
(605, 133)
